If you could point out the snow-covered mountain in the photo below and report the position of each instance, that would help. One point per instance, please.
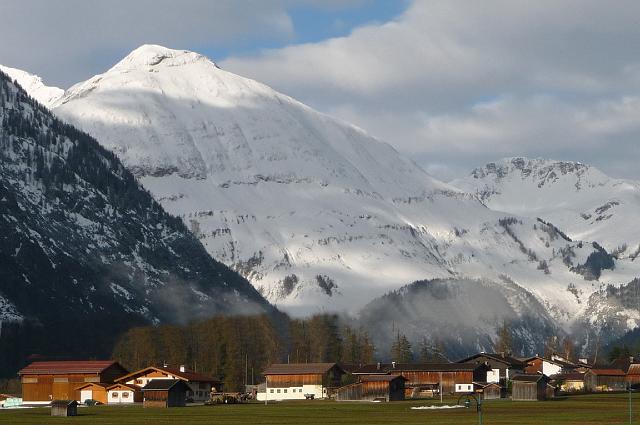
(317, 214)
(578, 198)
(85, 252)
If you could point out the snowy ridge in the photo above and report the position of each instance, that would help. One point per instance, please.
(579, 199)
(33, 85)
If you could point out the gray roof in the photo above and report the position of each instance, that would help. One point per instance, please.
(529, 378)
(299, 368)
(163, 384)
(416, 367)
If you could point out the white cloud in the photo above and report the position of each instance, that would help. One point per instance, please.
(456, 83)
(69, 40)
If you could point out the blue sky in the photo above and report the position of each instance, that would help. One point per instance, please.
(312, 23)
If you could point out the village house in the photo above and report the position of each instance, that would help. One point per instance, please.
(600, 380)
(374, 388)
(297, 381)
(165, 393)
(199, 389)
(530, 388)
(548, 366)
(489, 390)
(44, 381)
(502, 366)
(124, 394)
(424, 379)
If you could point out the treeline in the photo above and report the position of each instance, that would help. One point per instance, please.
(237, 349)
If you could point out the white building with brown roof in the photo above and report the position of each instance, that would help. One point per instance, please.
(201, 386)
(298, 381)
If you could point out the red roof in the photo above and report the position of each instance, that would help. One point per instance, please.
(67, 367)
(609, 372)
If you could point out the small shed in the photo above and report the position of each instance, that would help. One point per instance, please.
(165, 393)
(529, 387)
(374, 387)
(64, 408)
(489, 390)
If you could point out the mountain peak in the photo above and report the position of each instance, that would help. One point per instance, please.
(152, 55)
(529, 167)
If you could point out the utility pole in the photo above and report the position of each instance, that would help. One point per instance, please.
(630, 412)
(440, 391)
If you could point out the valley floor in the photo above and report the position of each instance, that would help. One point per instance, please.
(588, 409)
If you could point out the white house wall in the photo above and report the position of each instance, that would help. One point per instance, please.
(292, 393)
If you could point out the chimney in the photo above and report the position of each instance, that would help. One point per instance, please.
(378, 365)
(181, 368)
(165, 365)
(630, 359)
(393, 365)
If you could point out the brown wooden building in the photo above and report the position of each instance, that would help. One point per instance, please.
(296, 381)
(427, 377)
(374, 387)
(633, 374)
(529, 387)
(489, 391)
(43, 382)
(165, 393)
(599, 380)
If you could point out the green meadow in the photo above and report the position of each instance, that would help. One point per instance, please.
(587, 409)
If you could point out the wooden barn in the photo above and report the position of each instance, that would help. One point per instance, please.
(93, 391)
(501, 366)
(165, 393)
(529, 387)
(428, 376)
(200, 386)
(600, 380)
(297, 381)
(44, 381)
(373, 387)
(64, 408)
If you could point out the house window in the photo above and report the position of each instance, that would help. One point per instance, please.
(125, 394)
(114, 395)
(285, 390)
(29, 380)
(139, 382)
(60, 379)
(271, 390)
(278, 390)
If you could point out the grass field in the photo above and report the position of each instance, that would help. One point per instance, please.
(587, 409)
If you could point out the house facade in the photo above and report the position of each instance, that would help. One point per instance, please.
(199, 389)
(548, 366)
(124, 394)
(44, 381)
(502, 367)
(297, 381)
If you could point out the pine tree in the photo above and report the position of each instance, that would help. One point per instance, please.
(505, 341)
(401, 349)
